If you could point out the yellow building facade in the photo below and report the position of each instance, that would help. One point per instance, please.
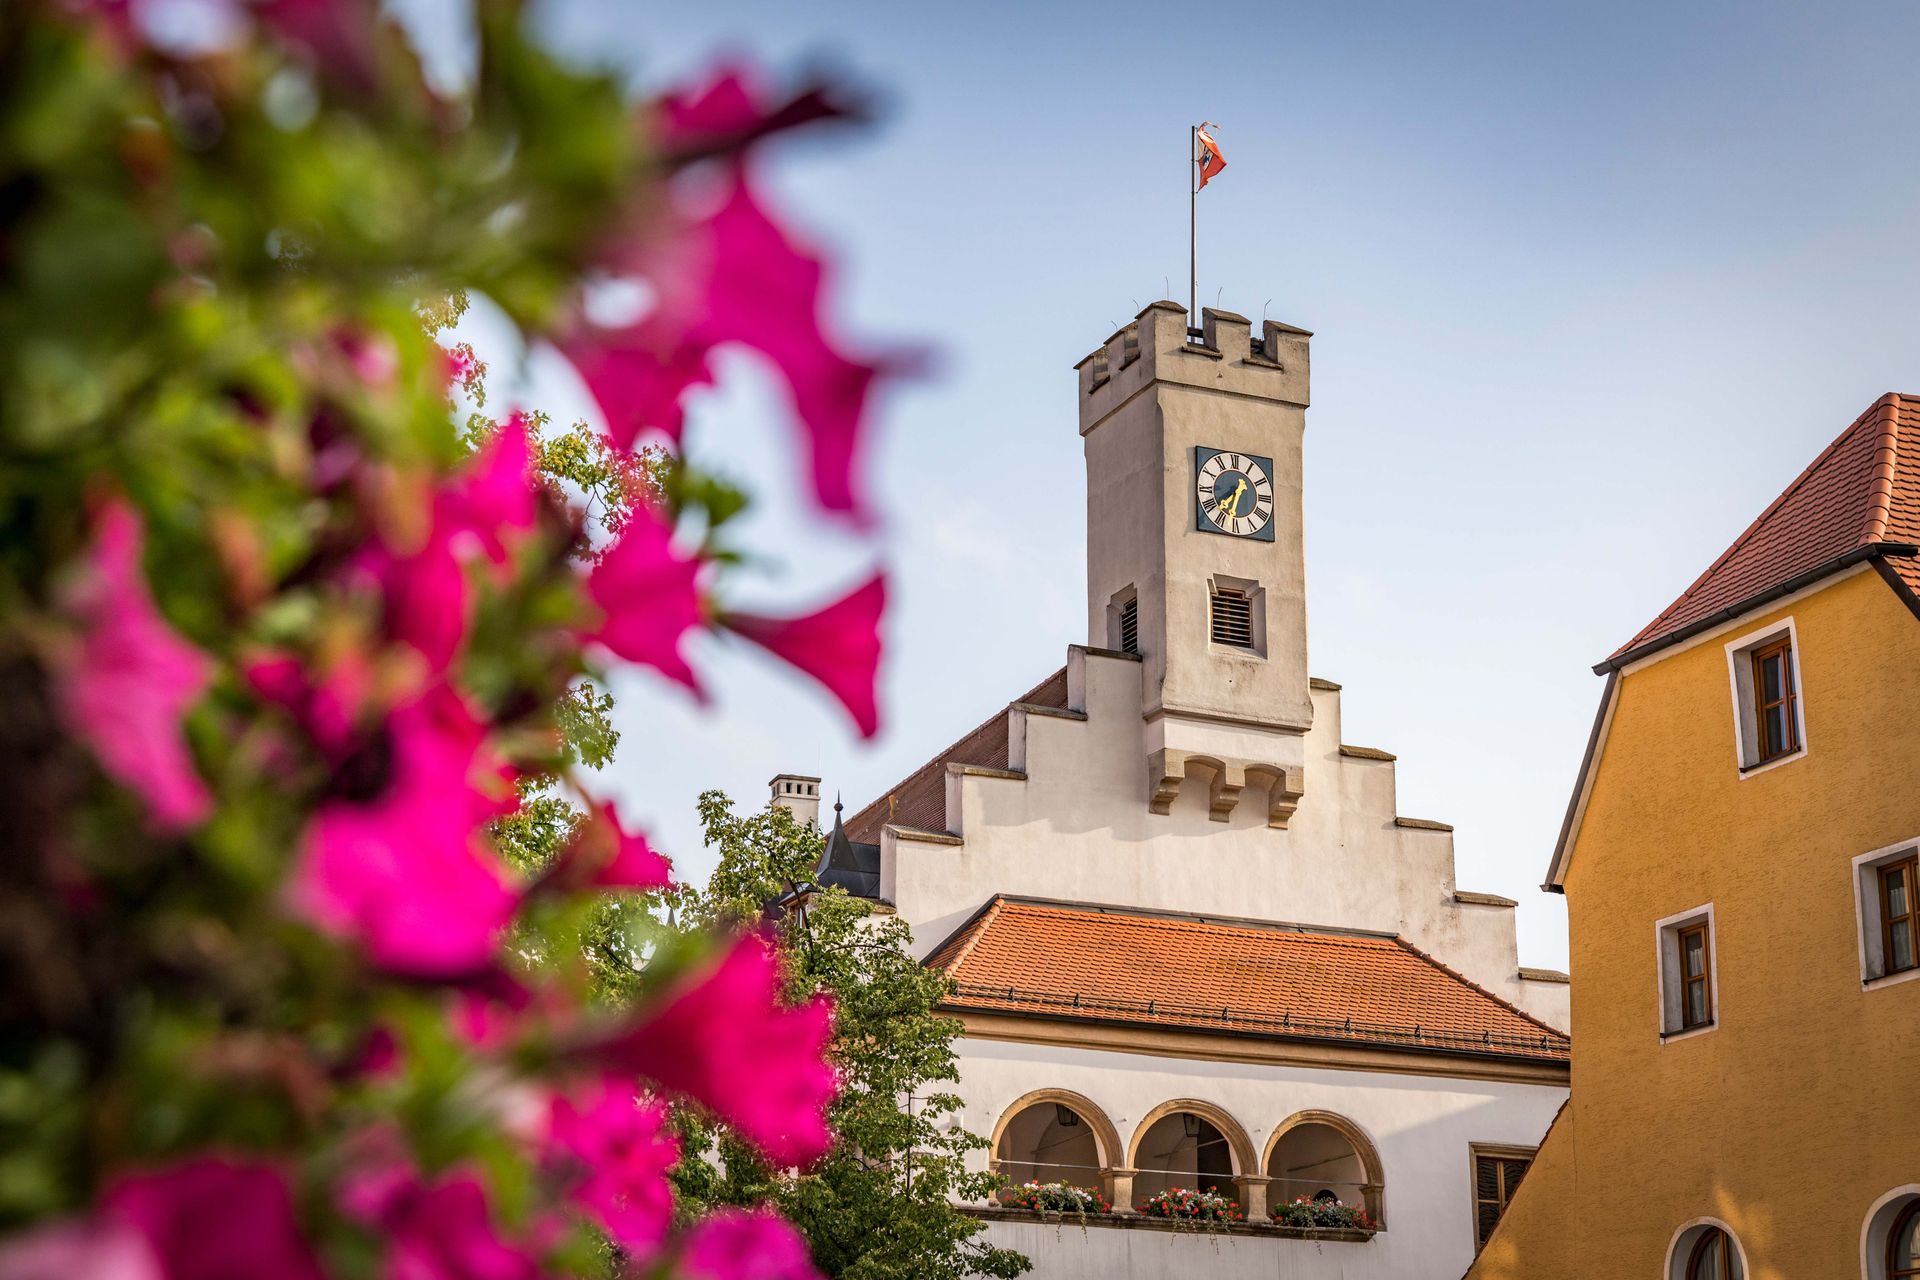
(1736, 859)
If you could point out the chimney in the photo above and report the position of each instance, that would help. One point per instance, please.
(798, 795)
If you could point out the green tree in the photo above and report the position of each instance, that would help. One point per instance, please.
(879, 1206)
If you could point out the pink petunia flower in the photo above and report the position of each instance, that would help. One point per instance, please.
(722, 1037)
(212, 1218)
(839, 646)
(405, 872)
(648, 594)
(740, 1244)
(89, 1249)
(495, 496)
(482, 510)
(434, 1231)
(726, 112)
(338, 34)
(124, 688)
(639, 376)
(765, 293)
(618, 1150)
(604, 855)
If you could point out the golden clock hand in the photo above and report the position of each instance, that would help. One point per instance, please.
(1233, 503)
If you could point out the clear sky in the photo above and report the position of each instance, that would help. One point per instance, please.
(1588, 288)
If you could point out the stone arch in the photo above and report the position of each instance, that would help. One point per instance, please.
(1106, 1138)
(1372, 1182)
(1198, 1165)
(1238, 1143)
(1878, 1225)
(1687, 1235)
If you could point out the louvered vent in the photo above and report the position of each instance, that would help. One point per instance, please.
(1232, 618)
(1130, 626)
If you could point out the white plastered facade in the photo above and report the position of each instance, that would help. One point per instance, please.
(1200, 779)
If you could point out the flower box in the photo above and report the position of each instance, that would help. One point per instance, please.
(1188, 1205)
(1303, 1212)
(1054, 1197)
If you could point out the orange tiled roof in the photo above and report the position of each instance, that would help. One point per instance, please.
(1075, 961)
(1863, 489)
(920, 800)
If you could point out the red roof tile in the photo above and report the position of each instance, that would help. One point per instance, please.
(1073, 961)
(1863, 489)
(920, 799)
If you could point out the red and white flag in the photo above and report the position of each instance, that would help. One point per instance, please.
(1207, 155)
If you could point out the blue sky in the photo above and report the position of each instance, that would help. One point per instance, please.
(1588, 288)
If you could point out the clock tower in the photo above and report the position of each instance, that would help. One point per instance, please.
(1195, 559)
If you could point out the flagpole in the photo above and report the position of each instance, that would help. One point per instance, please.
(1193, 224)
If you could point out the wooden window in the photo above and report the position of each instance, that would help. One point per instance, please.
(1696, 976)
(1232, 617)
(1130, 626)
(1903, 1246)
(1496, 1176)
(1714, 1258)
(1775, 707)
(1899, 925)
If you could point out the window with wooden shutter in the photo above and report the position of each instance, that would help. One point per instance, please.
(1130, 626)
(1232, 617)
(1496, 1176)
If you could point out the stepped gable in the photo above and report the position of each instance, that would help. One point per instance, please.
(1078, 961)
(1863, 490)
(920, 799)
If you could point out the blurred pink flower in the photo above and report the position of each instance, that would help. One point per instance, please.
(638, 376)
(405, 872)
(434, 1231)
(722, 1037)
(80, 1250)
(603, 854)
(765, 293)
(328, 710)
(372, 356)
(425, 591)
(649, 596)
(338, 34)
(726, 112)
(211, 1218)
(424, 595)
(495, 494)
(739, 1244)
(622, 1150)
(125, 686)
(839, 646)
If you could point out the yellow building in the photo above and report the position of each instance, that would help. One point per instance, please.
(1738, 859)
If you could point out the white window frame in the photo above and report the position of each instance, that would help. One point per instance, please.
(1879, 1225)
(1680, 1248)
(1670, 992)
(1868, 916)
(1746, 722)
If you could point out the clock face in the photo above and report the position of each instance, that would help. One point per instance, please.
(1233, 493)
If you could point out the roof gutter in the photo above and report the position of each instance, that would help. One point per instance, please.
(1859, 554)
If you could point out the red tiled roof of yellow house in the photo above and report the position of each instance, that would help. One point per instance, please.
(1858, 499)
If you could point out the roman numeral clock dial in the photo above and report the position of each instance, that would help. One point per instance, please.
(1233, 493)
